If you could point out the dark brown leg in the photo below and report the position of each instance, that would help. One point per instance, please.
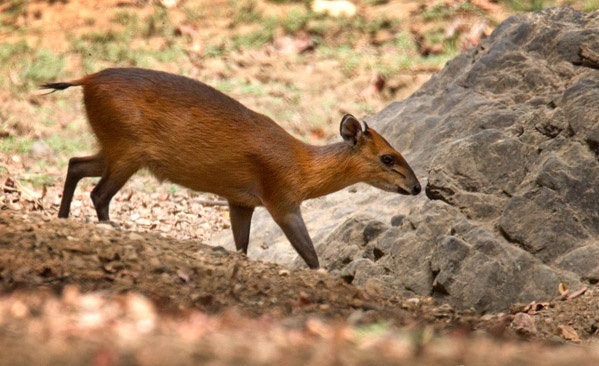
(112, 181)
(88, 166)
(241, 219)
(294, 228)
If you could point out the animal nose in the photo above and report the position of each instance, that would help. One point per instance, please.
(416, 189)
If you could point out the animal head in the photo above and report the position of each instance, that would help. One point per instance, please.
(379, 163)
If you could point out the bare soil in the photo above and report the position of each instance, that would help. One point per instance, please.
(92, 293)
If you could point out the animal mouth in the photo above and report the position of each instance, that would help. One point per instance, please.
(402, 191)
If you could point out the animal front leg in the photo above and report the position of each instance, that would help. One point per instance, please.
(241, 219)
(294, 228)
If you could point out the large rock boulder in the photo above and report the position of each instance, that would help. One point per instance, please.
(506, 139)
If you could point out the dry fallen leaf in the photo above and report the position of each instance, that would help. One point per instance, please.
(568, 333)
(375, 87)
(563, 289)
(183, 275)
(294, 45)
(186, 30)
(304, 300)
(534, 306)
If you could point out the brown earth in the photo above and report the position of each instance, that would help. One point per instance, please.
(93, 293)
(148, 292)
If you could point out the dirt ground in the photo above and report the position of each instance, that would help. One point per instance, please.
(145, 290)
(81, 293)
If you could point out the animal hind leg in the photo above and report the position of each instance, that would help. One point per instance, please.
(81, 167)
(113, 179)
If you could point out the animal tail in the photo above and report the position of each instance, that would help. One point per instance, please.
(59, 86)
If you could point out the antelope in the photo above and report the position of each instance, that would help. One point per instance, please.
(193, 135)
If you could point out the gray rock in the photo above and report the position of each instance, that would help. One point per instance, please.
(506, 137)
(582, 261)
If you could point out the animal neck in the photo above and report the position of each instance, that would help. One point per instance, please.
(327, 169)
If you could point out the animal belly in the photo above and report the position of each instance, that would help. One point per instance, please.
(233, 186)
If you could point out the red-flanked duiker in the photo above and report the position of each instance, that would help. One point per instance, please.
(191, 134)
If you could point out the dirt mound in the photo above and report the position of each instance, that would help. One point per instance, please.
(78, 292)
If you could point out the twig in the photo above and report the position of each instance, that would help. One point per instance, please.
(212, 203)
(575, 294)
(26, 193)
(5, 167)
(9, 188)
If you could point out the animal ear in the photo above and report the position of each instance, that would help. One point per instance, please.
(351, 128)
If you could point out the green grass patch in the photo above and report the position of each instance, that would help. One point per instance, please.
(122, 46)
(174, 189)
(295, 20)
(376, 2)
(43, 65)
(70, 146)
(115, 48)
(193, 13)
(111, 46)
(127, 19)
(15, 145)
(31, 66)
(307, 2)
(444, 11)
(214, 50)
(527, 5)
(39, 180)
(590, 5)
(8, 51)
(239, 86)
(251, 40)
(244, 12)
(372, 330)
(11, 12)
(158, 24)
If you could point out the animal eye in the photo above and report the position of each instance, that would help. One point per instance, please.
(388, 160)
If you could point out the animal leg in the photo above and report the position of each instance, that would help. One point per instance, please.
(113, 179)
(241, 219)
(294, 228)
(88, 166)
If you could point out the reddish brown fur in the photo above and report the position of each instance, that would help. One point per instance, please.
(193, 135)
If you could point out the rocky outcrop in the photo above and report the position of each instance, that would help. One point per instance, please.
(507, 136)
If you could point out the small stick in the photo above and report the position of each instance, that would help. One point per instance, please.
(212, 203)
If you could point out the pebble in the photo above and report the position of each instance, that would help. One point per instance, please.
(334, 8)
(144, 222)
(487, 317)
(322, 271)
(105, 226)
(523, 324)
(19, 310)
(135, 236)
